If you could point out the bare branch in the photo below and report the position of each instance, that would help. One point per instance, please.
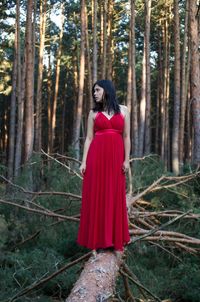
(45, 213)
(44, 280)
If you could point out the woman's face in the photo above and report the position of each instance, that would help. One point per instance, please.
(98, 93)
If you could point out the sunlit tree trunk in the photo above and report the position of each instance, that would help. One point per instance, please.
(129, 74)
(105, 39)
(29, 109)
(49, 98)
(77, 126)
(195, 78)
(21, 76)
(13, 103)
(159, 96)
(89, 67)
(94, 54)
(165, 151)
(38, 119)
(110, 46)
(147, 139)
(55, 99)
(134, 105)
(145, 82)
(184, 87)
(177, 83)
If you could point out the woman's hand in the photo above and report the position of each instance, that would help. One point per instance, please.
(82, 168)
(125, 166)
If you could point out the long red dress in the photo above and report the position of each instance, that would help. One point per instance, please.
(104, 221)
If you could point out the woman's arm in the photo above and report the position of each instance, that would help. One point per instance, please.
(126, 137)
(89, 137)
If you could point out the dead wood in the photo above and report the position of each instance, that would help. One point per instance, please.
(46, 279)
(41, 193)
(45, 213)
(97, 280)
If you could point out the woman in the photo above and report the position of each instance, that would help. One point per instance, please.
(103, 222)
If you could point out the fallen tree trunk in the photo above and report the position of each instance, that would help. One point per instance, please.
(97, 280)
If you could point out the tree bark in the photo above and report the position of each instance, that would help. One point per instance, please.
(55, 99)
(77, 126)
(21, 75)
(38, 119)
(90, 103)
(11, 150)
(144, 105)
(110, 46)
(94, 54)
(97, 280)
(134, 104)
(29, 110)
(105, 39)
(177, 84)
(147, 139)
(195, 78)
(184, 88)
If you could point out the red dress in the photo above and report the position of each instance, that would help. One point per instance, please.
(104, 221)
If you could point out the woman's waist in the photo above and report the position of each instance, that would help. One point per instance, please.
(108, 131)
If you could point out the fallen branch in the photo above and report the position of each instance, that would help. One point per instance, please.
(140, 286)
(60, 163)
(41, 193)
(50, 214)
(44, 280)
(151, 232)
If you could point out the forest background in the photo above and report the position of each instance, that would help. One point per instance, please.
(51, 54)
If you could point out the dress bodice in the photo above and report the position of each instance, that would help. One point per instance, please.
(102, 122)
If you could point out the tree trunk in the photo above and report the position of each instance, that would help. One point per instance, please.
(94, 54)
(29, 119)
(105, 39)
(195, 78)
(177, 83)
(21, 75)
(49, 98)
(77, 125)
(165, 150)
(147, 139)
(90, 103)
(145, 81)
(184, 86)
(97, 280)
(55, 99)
(11, 150)
(110, 46)
(134, 105)
(38, 119)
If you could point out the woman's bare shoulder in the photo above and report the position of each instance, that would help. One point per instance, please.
(92, 114)
(124, 109)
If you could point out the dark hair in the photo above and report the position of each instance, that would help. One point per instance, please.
(110, 100)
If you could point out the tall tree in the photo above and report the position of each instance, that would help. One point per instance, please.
(77, 125)
(55, 99)
(105, 39)
(94, 31)
(145, 92)
(177, 84)
(195, 78)
(11, 152)
(132, 104)
(29, 107)
(184, 88)
(147, 139)
(110, 46)
(38, 119)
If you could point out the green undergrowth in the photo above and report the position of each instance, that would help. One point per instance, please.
(33, 246)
